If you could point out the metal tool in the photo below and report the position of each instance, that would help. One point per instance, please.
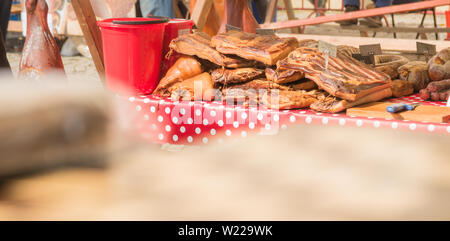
(395, 108)
(399, 107)
(412, 106)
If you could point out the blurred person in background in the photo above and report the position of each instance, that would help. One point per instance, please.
(162, 8)
(4, 64)
(320, 3)
(354, 5)
(259, 9)
(5, 11)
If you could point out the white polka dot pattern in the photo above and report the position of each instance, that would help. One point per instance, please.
(198, 130)
(359, 123)
(394, 125)
(292, 118)
(159, 119)
(308, 120)
(376, 124)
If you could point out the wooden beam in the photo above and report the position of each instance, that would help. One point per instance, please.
(88, 23)
(290, 14)
(397, 29)
(357, 14)
(200, 13)
(270, 12)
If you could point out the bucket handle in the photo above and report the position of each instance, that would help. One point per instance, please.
(158, 19)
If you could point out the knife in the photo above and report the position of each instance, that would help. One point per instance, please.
(398, 107)
(395, 108)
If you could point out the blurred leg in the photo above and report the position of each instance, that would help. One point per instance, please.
(157, 8)
(350, 6)
(382, 3)
(351, 2)
(3, 60)
(259, 9)
(5, 11)
(375, 22)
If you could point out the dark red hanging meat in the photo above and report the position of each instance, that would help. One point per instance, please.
(237, 13)
(40, 54)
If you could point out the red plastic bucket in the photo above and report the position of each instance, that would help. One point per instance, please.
(132, 50)
(174, 29)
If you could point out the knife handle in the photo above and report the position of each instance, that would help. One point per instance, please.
(396, 108)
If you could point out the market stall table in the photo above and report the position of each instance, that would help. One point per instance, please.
(163, 120)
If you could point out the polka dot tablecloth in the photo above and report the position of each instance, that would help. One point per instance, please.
(175, 122)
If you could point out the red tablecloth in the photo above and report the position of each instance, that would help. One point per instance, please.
(174, 122)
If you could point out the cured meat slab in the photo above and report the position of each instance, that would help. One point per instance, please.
(345, 77)
(288, 99)
(333, 105)
(282, 76)
(233, 76)
(303, 84)
(198, 44)
(249, 92)
(267, 49)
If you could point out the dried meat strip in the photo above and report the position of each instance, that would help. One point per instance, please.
(267, 49)
(345, 77)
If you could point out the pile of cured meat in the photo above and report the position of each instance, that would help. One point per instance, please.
(282, 73)
(439, 71)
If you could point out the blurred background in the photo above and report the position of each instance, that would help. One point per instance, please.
(63, 155)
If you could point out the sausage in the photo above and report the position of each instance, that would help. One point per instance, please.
(443, 96)
(435, 96)
(439, 85)
(439, 65)
(424, 94)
